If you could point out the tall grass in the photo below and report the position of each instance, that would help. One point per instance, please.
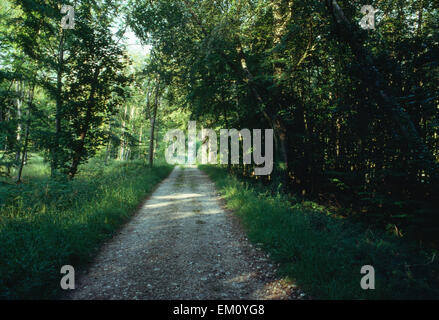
(45, 224)
(324, 255)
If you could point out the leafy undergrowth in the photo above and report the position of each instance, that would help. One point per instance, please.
(324, 255)
(45, 224)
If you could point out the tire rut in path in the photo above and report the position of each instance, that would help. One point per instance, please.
(182, 245)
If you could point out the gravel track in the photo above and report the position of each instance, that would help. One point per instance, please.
(182, 245)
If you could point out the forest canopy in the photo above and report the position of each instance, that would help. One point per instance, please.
(354, 110)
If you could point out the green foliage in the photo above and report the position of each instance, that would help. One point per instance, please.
(45, 224)
(80, 75)
(353, 110)
(324, 255)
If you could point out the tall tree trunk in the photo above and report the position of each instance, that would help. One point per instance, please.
(26, 136)
(152, 122)
(156, 130)
(20, 98)
(229, 146)
(55, 149)
(140, 142)
(131, 121)
(79, 150)
(108, 148)
(122, 142)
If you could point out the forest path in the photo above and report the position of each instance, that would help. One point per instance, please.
(182, 245)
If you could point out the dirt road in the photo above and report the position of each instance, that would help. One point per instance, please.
(182, 245)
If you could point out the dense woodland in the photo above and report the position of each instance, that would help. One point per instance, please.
(355, 112)
(69, 94)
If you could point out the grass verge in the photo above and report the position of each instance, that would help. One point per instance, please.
(324, 255)
(45, 224)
